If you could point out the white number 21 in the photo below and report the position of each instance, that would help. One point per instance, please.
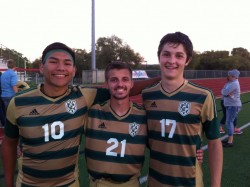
(168, 122)
(115, 144)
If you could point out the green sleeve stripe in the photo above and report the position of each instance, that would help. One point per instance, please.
(211, 129)
(11, 130)
(102, 95)
(170, 180)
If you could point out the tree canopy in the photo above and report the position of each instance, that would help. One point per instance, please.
(113, 48)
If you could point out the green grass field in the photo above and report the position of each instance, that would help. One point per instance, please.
(236, 164)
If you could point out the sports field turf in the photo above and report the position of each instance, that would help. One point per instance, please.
(236, 166)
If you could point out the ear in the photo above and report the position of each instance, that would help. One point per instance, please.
(41, 66)
(189, 60)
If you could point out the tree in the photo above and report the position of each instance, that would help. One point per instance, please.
(83, 61)
(209, 60)
(240, 52)
(113, 49)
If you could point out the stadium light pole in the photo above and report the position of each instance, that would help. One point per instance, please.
(93, 60)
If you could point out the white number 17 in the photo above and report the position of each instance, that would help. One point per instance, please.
(168, 122)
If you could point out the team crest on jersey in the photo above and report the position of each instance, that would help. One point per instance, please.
(184, 108)
(134, 129)
(71, 106)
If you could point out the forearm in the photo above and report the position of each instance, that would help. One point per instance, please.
(141, 84)
(9, 152)
(215, 157)
(15, 89)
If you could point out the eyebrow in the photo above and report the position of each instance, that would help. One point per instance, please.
(54, 58)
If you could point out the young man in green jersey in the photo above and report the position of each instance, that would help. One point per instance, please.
(116, 134)
(48, 121)
(178, 114)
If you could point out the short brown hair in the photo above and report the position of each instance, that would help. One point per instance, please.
(11, 63)
(117, 65)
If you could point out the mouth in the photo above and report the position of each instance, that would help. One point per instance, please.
(170, 67)
(120, 89)
(59, 75)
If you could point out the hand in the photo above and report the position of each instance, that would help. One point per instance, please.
(199, 155)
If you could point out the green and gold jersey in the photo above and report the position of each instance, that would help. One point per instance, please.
(176, 123)
(115, 145)
(49, 131)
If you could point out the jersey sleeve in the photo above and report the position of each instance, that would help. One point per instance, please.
(209, 118)
(11, 130)
(95, 95)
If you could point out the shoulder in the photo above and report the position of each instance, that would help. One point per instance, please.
(138, 109)
(29, 92)
(199, 89)
(153, 87)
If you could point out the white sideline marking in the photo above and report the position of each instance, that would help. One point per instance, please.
(225, 136)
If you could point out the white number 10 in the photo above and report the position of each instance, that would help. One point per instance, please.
(168, 122)
(52, 130)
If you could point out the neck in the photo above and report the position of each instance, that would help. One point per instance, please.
(172, 85)
(52, 92)
(120, 107)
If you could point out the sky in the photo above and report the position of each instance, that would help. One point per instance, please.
(28, 26)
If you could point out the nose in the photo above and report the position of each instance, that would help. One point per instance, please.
(60, 66)
(119, 83)
(171, 59)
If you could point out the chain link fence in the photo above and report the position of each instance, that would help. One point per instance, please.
(97, 76)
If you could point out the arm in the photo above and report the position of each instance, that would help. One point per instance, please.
(15, 88)
(215, 158)
(141, 84)
(9, 154)
(227, 90)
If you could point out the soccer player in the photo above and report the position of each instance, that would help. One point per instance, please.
(49, 121)
(178, 114)
(116, 133)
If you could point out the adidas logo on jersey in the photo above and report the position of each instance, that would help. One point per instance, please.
(34, 112)
(153, 105)
(102, 126)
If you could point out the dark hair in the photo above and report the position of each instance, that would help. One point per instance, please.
(58, 45)
(11, 63)
(177, 38)
(117, 65)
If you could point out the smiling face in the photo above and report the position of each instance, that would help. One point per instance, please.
(58, 71)
(173, 60)
(119, 83)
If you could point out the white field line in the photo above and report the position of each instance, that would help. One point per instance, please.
(225, 136)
